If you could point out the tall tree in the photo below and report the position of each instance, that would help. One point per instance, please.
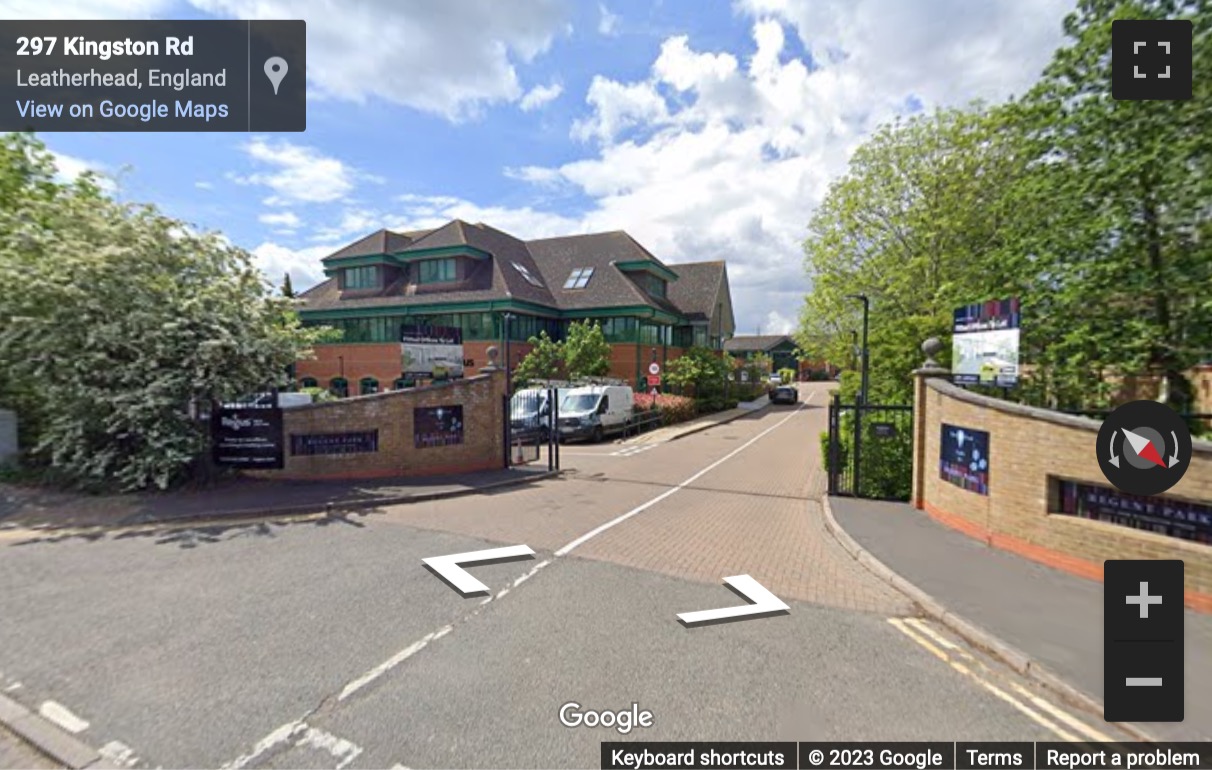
(288, 290)
(1130, 275)
(120, 318)
(545, 361)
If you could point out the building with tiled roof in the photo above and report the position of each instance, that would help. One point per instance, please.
(469, 278)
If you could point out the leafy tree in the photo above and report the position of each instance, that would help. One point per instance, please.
(120, 318)
(921, 224)
(1126, 271)
(544, 361)
(700, 370)
(288, 290)
(761, 361)
(586, 351)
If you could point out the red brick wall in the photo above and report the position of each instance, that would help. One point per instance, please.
(1026, 447)
(391, 414)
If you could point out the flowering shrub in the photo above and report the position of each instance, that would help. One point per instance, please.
(674, 409)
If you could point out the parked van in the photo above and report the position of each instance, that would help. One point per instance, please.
(596, 411)
(530, 411)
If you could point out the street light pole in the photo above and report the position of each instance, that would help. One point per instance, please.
(866, 355)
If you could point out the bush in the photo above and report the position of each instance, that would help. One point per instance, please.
(318, 394)
(887, 463)
(674, 409)
(716, 403)
(787, 375)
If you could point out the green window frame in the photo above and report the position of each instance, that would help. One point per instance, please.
(368, 385)
(436, 270)
(366, 277)
(308, 382)
(339, 387)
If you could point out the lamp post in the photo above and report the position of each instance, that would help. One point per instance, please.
(508, 362)
(866, 355)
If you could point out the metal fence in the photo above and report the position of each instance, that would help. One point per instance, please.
(869, 450)
(530, 420)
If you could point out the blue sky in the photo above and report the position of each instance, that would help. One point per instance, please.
(706, 129)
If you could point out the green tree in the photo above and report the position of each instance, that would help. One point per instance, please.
(288, 290)
(1123, 277)
(586, 351)
(545, 361)
(120, 318)
(922, 223)
(700, 370)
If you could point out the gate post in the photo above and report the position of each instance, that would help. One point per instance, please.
(833, 461)
(929, 369)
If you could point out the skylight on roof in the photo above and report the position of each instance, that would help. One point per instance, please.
(579, 278)
(530, 279)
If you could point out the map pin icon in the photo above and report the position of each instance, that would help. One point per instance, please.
(275, 70)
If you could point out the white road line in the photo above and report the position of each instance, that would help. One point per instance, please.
(674, 490)
(59, 714)
(344, 750)
(1001, 694)
(288, 730)
(118, 754)
(1040, 703)
(392, 662)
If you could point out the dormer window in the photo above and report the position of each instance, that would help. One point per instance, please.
(362, 277)
(654, 286)
(436, 271)
(579, 278)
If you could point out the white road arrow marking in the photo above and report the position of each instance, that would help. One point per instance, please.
(447, 567)
(763, 603)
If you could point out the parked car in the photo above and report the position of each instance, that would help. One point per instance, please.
(596, 411)
(776, 379)
(530, 410)
(784, 394)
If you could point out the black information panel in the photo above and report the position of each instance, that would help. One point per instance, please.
(916, 755)
(1143, 640)
(153, 76)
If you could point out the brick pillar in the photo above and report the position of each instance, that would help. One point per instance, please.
(930, 368)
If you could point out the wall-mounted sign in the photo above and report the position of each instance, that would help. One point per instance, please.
(984, 343)
(247, 437)
(334, 443)
(964, 458)
(432, 352)
(1163, 515)
(435, 426)
(883, 429)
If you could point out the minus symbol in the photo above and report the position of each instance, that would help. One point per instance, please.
(1144, 681)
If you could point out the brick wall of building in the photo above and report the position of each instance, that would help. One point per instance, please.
(1028, 450)
(391, 414)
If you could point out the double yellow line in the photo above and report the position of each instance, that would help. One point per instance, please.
(1064, 725)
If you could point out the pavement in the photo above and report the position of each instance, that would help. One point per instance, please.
(1050, 620)
(326, 643)
(23, 508)
(16, 753)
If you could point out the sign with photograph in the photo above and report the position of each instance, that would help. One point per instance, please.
(334, 443)
(248, 437)
(984, 343)
(431, 352)
(964, 458)
(435, 426)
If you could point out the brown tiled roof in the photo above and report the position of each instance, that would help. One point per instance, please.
(697, 289)
(549, 260)
(755, 342)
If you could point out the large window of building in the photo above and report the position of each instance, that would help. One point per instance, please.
(682, 337)
(436, 270)
(339, 387)
(368, 385)
(652, 284)
(362, 277)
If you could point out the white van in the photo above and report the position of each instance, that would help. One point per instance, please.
(596, 411)
(529, 411)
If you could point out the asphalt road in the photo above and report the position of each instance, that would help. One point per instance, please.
(330, 645)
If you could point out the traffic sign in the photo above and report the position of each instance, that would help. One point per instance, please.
(654, 379)
(654, 368)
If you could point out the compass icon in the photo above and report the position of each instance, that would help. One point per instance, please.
(1144, 448)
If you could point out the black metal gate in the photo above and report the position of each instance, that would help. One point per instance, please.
(869, 452)
(531, 417)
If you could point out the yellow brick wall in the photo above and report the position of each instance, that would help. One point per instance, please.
(391, 414)
(1026, 447)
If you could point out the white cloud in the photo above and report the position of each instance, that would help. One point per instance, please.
(775, 323)
(297, 174)
(83, 9)
(287, 220)
(354, 223)
(68, 168)
(275, 260)
(203, 185)
(607, 22)
(540, 95)
(448, 58)
(721, 154)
